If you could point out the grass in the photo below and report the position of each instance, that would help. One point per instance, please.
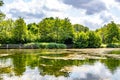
(45, 45)
(115, 52)
(113, 45)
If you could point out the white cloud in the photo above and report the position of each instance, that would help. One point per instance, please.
(97, 71)
(35, 10)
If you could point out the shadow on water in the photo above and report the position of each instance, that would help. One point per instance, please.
(27, 64)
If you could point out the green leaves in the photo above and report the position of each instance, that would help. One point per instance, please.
(88, 40)
(94, 40)
(2, 15)
(82, 41)
(20, 31)
(112, 33)
(55, 30)
(58, 31)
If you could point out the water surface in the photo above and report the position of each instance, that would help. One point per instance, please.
(56, 65)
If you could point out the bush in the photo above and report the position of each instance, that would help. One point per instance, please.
(113, 45)
(88, 40)
(103, 45)
(30, 45)
(81, 41)
(115, 52)
(45, 45)
(94, 40)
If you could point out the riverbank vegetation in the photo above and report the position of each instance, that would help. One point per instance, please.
(55, 30)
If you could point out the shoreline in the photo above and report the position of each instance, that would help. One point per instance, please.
(22, 46)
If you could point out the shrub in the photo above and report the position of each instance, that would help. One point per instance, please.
(94, 40)
(30, 45)
(115, 52)
(113, 45)
(81, 41)
(45, 45)
(88, 40)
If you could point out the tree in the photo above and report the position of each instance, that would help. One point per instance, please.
(1, 14)
(20, 31)
(102, 32)
(66, 32)
(81, 41)
(113, 33)
(94, 40)
(33, 32)
(56, 30)
(46, 30)
(1, 3)
(6, 27)
(80, 28)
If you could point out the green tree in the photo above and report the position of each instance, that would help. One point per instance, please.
(94, 40)
(102, 32)
(113, 33)
(20, 31)
(6, 27)
(80, 28)
(46, 30)
(33, 32)
(81, 41)
(66, 32)
(1, 14)
(56, 30)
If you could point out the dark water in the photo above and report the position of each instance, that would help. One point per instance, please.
(29, 65)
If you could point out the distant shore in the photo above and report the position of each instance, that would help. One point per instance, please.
(48, 46)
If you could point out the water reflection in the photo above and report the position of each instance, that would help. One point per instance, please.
(85, 72)
(30, 66)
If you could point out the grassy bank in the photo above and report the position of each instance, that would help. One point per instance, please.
(110, 45)
(38, 45)
(115, 52)
(34, 46)
(45, 45)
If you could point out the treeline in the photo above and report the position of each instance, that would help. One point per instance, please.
(58, 31)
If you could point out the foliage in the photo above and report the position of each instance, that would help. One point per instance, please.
(6, 27)
(45, 45)
(2, 15)
(20, 31)
(110, 33)
(55, 30)
(115, 52)
(80, 28)
(82, 41)
(33, 32)
(94, 40)
(113, 45)
(113, 33)
(58, 31)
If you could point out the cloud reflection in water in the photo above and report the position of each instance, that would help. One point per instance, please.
(98, 71)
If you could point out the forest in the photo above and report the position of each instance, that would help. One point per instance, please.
(56, 30)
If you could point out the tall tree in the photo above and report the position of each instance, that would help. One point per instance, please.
(113, 33)
(80, 28)
(33, 32)
(20, 31)
(1, 14)
(56, 28)
(6, 27)
(46, 29)
(67, 33)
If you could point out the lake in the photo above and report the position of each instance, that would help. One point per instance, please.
(78, 64)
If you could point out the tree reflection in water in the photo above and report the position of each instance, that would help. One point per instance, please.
(30, 66)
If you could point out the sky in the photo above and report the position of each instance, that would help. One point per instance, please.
(91, 13)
